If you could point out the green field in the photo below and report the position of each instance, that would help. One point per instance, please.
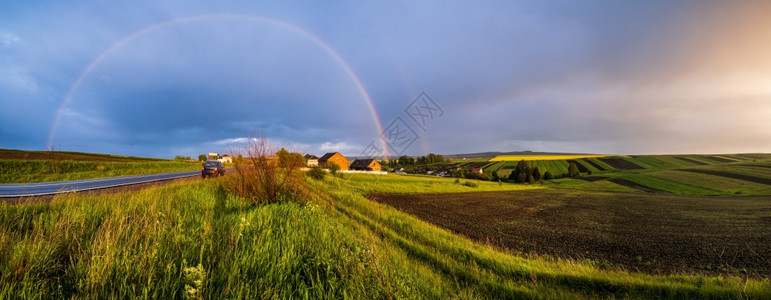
(25, 171)
(705, 175)
(194, 240)
(17, 166)
(67, 155)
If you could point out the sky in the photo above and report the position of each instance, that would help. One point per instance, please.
(168, 78)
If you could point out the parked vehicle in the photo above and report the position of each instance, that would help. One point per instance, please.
(212, 167)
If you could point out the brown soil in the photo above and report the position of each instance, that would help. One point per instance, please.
(594, 164)
(649, 233)
(620, 163)
(633, 185)
(730, 175)
(695, 162)
(581, 167)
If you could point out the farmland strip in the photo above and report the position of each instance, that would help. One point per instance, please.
(581, 167)
(638, 186)
(620, 163)
(754, 156)
(592, 178)
(695, 162)
(594, 164)
(731, 175)
(756, 166)
(719, 159)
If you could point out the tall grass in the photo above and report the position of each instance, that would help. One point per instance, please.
(194, 240)
(182, 240)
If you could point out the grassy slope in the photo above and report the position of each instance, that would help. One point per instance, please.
(191, 238)
(24, 171)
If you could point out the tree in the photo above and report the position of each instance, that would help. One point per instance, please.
(286, 158)
(573, 170)
(495, 176)
(536, 174)
(548, 176)
(521, 172)
(202, 157)
(333, 168)
(521, 178)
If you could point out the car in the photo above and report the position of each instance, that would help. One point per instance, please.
(212, 167)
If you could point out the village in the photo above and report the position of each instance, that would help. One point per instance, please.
(370, 166)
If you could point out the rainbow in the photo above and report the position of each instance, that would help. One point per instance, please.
(288, 26)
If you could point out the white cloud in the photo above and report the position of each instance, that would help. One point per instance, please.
(18, 79)
(239, 140)
(7, 39)
(336, 147)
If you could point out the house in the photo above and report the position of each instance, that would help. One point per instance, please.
(334, 157)
(213, 156)
(226, 159)
(365, 165)
(311, 160)
(477, 170)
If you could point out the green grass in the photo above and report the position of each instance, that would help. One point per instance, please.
(68, 155)
(666, 185)
(599, 185)
(25, 171)
(421, 184)
(192, 239)
(742, 169)
(717, 184)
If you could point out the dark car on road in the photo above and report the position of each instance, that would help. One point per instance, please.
(212, 167)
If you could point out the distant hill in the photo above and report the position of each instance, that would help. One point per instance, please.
(66, 155)
(481, 154)
(494, 154)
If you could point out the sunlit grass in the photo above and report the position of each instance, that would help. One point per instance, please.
(420, 184)
(192, 240)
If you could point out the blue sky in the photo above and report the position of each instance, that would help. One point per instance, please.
(166, 78)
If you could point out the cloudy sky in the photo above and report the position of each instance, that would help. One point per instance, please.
(166, 78)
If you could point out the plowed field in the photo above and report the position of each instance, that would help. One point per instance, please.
(648, 233)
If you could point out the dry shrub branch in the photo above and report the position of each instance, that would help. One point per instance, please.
(264, 175)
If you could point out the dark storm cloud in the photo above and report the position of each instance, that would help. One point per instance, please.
(552, 76)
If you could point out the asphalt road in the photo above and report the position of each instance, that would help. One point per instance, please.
(48, 188)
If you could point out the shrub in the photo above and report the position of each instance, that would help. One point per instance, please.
(470, 184)
(573, 170)
(317, 173)
(548, 176)
(260, 178)
(333, 168)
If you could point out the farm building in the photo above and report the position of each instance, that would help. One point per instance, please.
(311, 160)
(477, 170)
(226, 159)
(213, 156)
(334, 157)
(365, 165)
